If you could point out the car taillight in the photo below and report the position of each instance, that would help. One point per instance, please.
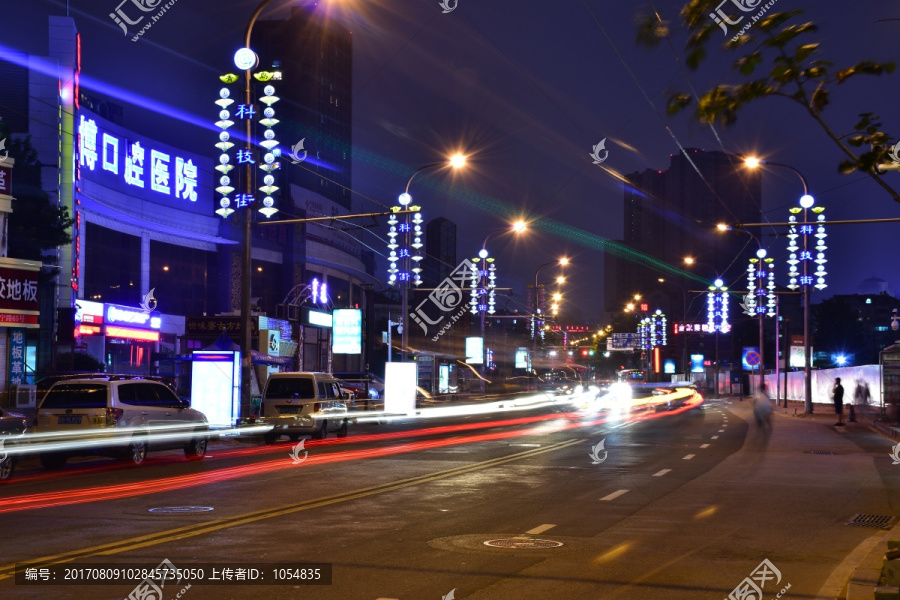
(316, 407)
(113, 415)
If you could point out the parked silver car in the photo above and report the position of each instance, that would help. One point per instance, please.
(124, 417)
(301, 403)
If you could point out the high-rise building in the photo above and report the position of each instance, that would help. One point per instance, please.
(315, 56)
(672, 214)
(440, 251)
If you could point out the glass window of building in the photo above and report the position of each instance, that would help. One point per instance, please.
(112, 269)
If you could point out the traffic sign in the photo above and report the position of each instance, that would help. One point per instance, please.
(753, 358)
(623, 342)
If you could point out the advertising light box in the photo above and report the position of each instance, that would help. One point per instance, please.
(347, 327)
(474, 350)
(215, 386)
(400, 387)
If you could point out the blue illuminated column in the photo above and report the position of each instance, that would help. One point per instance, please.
(224, 145)
(269, 163)
(483, 286)
(267, 159)
(812, 234)
(717, 308)
(717, 316)
(407, 249)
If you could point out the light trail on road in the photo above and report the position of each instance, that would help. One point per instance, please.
(145, 487)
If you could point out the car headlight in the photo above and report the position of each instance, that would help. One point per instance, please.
(373, 393)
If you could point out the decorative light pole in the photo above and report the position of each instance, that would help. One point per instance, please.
(410, 227)
(484, 284)
(717, 316)
(803, 256)
(760, 300)
(246, 60)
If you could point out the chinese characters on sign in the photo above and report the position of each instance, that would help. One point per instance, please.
(18, 293)
(16, 356)
(140, 167)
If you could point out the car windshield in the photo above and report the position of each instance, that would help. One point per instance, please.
(293, 388)
(76, 395)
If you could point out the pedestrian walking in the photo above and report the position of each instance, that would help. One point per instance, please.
(762, 407)
(837, 393)
(862, 396)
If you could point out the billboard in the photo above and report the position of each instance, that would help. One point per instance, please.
(347, 326)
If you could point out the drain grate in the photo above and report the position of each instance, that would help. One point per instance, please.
(522, 542)
(877, 521)
(826, 452)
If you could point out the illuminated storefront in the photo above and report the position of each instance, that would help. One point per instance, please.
(123, 338)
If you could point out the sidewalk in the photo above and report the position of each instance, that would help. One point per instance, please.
(869, 557)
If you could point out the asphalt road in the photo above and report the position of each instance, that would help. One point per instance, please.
(684, 505)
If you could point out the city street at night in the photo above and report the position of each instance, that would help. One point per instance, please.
(683, 504)
(449, 299)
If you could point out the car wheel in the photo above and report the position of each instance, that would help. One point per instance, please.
(293, 436)
(137, 449)
(53, 460)
(270, 436)
(342, 432)
(197, 447)
(6, 467)
(322, 432)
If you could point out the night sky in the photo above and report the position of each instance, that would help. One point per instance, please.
(526, 88)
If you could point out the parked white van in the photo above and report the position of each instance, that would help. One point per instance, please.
(296, 404)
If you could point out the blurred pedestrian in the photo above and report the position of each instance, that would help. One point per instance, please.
(837, 394)
(762, 407)
(862, 396)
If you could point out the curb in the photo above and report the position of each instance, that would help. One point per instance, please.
(863, 584)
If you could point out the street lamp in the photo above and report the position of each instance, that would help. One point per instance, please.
(486, 281)
(246, 60)
(804, 258)
(562, 262)
(409, 226)
(684, 353)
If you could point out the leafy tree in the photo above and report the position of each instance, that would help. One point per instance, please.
(778, 57)
(36, 224)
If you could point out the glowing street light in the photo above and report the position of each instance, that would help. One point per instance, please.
(804, 256)
(410, 232)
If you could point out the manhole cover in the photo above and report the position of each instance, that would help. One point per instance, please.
(180, 509)
(522, 543)
(877, 521)
(821, 452)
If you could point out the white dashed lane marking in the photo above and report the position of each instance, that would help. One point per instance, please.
(614, 495)
(540, 529)
(661, 473)
(705, 446)
(688, 457)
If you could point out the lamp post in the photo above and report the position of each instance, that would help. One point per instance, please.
(402, 276)
(486, 282)
(807, 203)
(680, 287)
(562, 262)
(246, 60)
